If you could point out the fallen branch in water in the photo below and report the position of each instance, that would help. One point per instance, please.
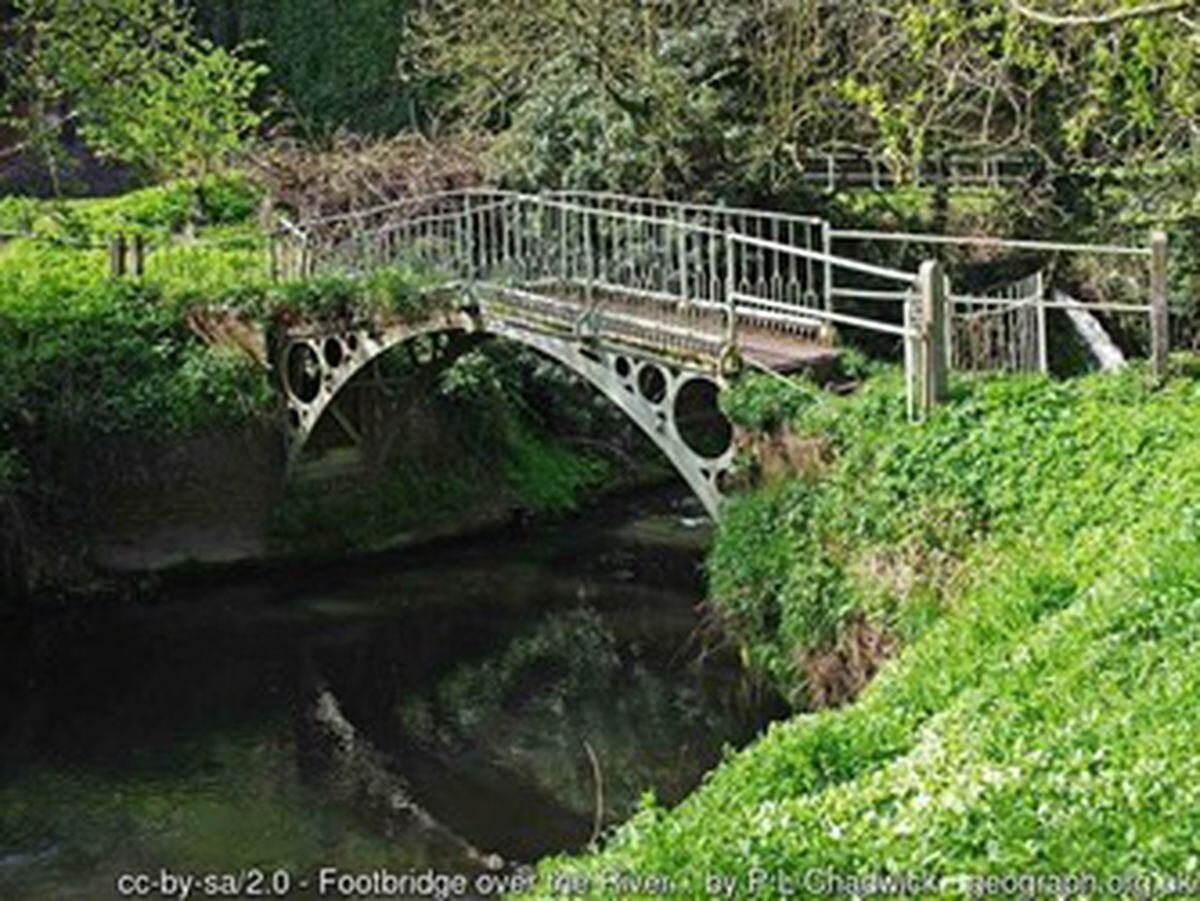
(598, 781)
(362, 772)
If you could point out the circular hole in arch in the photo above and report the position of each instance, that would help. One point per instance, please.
(333, 353)
(623, 367)
(652, 383)
(303, 372)
(352, 342)
(725, 481)
(423, 349)
(699, 420)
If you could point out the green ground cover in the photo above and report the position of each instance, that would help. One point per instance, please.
(88, 354)
(1035, 548)
(118, 353)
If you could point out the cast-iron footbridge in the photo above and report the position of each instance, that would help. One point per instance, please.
(657, 304)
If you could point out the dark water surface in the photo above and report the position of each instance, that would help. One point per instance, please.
(451, 709)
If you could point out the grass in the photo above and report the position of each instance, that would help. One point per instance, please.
(1036, 548)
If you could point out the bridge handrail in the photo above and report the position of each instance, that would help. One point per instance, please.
(875, 325)
(700, 207)
(719, 209)
(988, 241)
(843, 262)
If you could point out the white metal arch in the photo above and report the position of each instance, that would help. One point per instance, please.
(327, 360)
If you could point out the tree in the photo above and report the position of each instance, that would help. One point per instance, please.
(585, 93)
(1078, 85)
(142, 88)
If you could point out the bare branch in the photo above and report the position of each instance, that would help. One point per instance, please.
(1120, 15)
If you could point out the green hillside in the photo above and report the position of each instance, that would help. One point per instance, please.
(1035, 550)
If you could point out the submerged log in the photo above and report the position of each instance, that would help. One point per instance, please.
(361, 774)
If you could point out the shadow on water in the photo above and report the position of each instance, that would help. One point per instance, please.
(467, 707)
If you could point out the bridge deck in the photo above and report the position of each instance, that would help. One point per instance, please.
(694, 328)
(784, 353)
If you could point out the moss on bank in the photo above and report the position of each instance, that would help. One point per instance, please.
(1036, 548)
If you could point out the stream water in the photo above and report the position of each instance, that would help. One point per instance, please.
(480, 704)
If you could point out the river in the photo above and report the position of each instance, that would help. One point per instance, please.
(465, 708)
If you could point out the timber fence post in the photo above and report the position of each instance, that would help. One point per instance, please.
(1043, 349)
(1160, 326)
(933, 335)
(948, 343)
(138, 250)
(911, 355)
(116, 255)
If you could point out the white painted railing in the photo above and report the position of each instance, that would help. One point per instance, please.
(700, 277)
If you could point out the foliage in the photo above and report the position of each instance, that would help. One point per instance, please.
(86, 354)
(762, 403)
(1035, 546)
(112, 357)
(143, 88)
(331, 64)
(230, 199)
(587, 95)
(12, 470)
(730, 99)
(352, 172)
(512, 466)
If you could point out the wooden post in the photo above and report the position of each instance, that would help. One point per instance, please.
(1043, 348)
(1160, 326)
(949, 314)
(138, 252)
(911, 353)
(116, 255)
(933, 335)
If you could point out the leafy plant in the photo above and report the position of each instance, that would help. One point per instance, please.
(1035, 546)
(142, 86)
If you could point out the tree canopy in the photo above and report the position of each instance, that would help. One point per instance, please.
(661, 90)
(141, 85)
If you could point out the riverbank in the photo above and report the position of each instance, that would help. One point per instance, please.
(1028, 564)
(143, 517)
(140, 431)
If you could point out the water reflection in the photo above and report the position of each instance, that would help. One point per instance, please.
(391, 714)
